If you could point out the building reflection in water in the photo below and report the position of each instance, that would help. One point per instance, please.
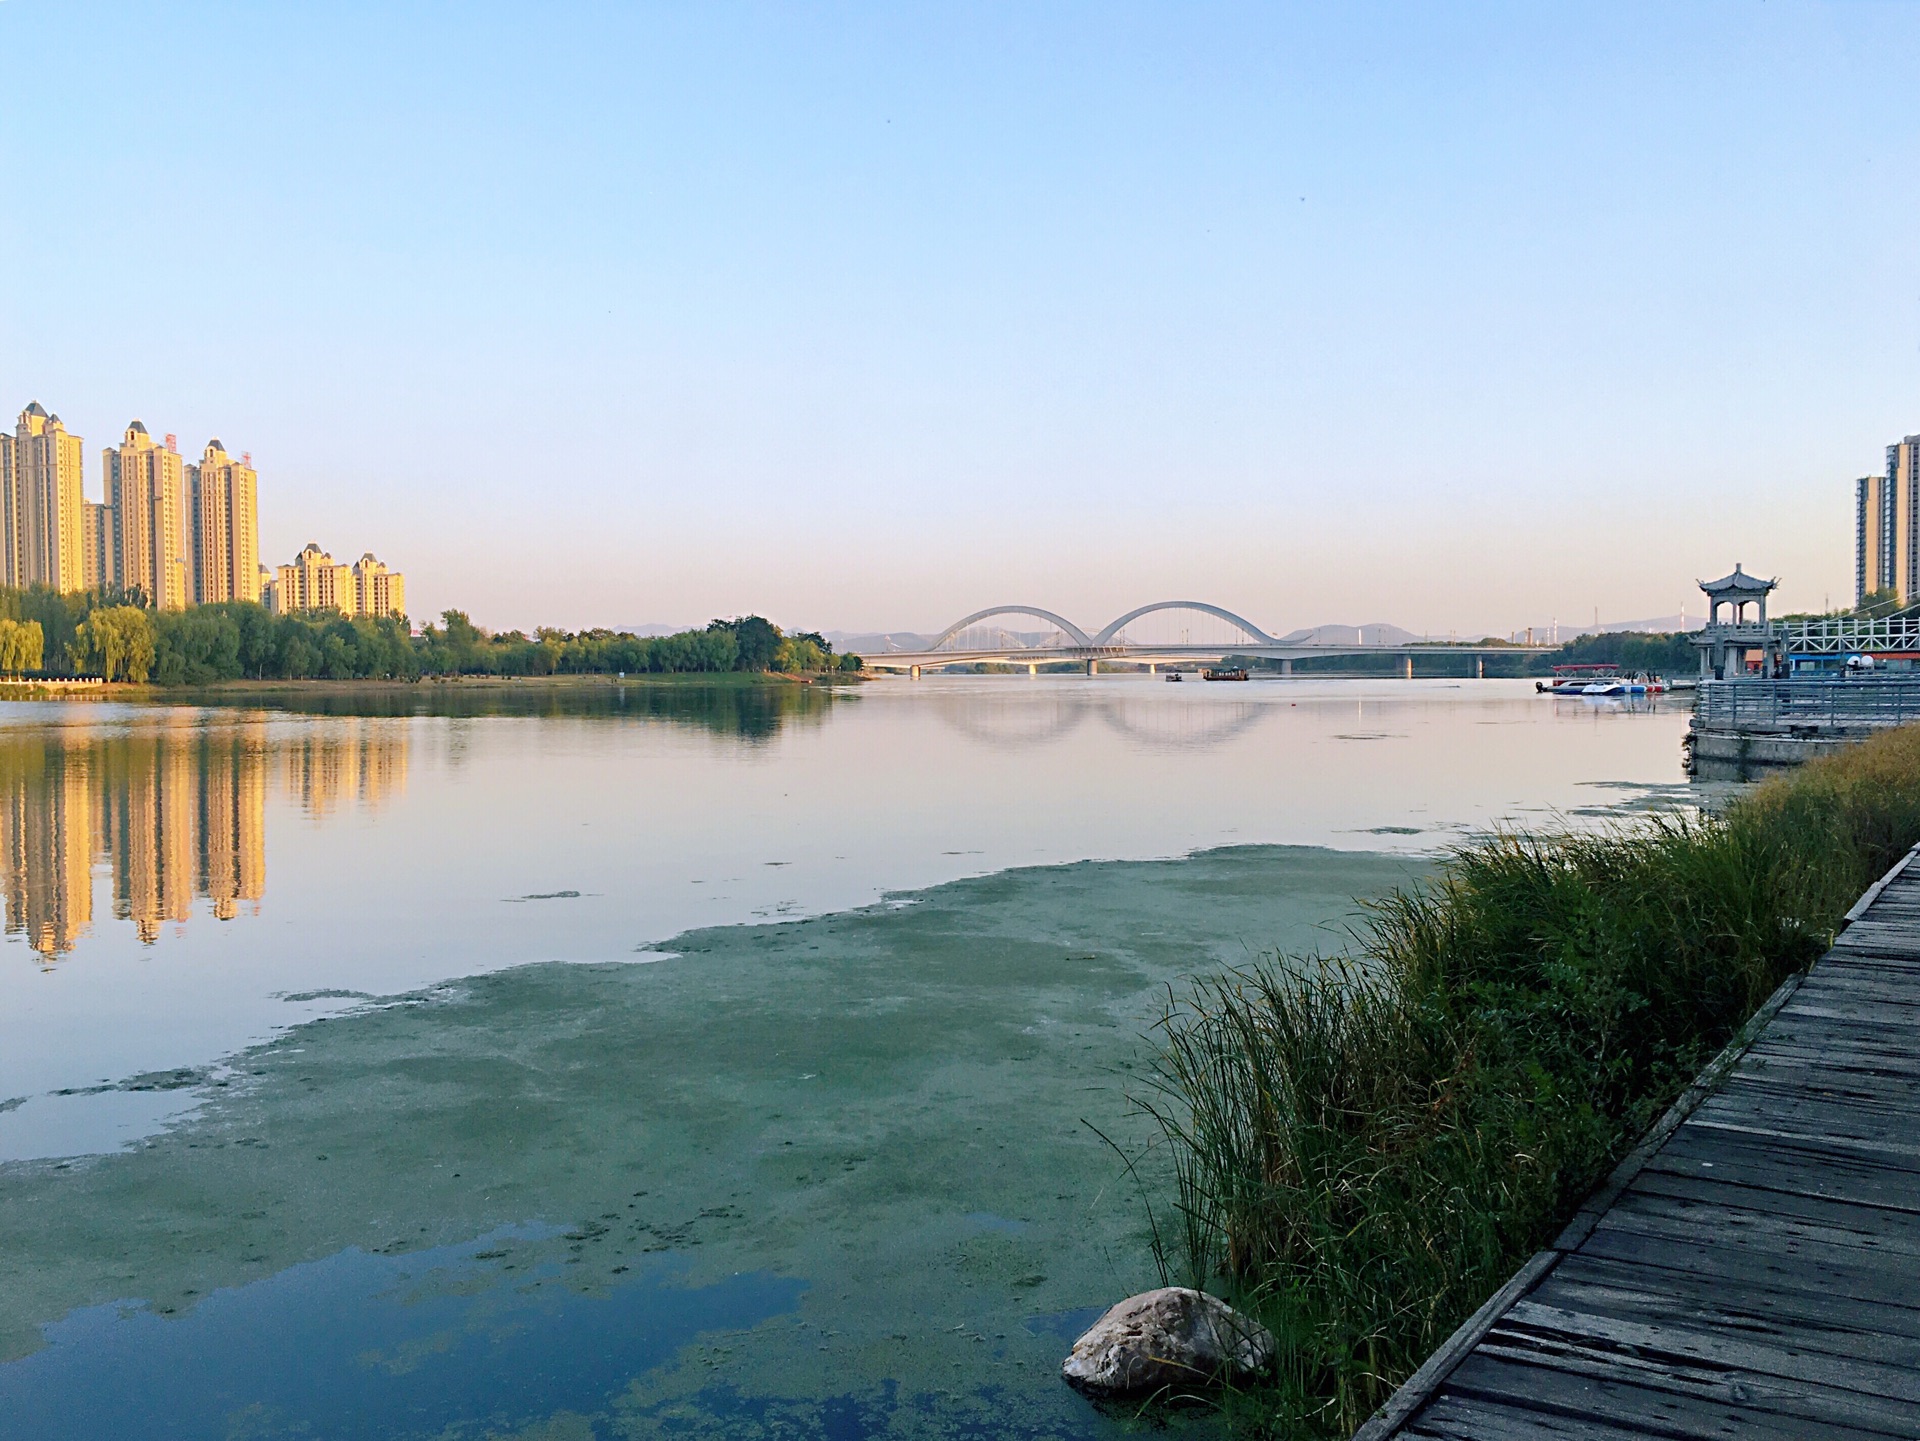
(174, 810)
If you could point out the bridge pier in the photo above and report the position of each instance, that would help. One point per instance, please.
(1152, 669)
(1032, 669)
(1407, 674)
(1479, 667)
(914, 672)
(1093, 667)
(1286, 670)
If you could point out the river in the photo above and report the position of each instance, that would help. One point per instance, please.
(630, 1061)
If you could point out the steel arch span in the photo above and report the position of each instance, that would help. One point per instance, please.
(1067, 627)
(1254, 633)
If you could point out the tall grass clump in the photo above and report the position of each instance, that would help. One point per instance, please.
(1365, 1148)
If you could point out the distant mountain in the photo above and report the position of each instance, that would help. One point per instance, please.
(1378, 633)
(654, 628)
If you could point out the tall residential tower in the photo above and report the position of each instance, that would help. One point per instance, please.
(41, 521)
(223, 526)
(144, 524)
(1886, 539)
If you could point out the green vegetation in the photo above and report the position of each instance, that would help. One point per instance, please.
(21, 645)
(118, 636)
(1364, 1149)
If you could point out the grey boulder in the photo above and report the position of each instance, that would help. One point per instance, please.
(1174, 1336)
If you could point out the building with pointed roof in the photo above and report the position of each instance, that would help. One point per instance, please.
(41, 518)
(1735, 644)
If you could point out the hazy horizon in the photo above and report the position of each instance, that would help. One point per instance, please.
(862, 318)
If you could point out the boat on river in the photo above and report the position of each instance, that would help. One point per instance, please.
(1574, 679)
(1626, 685)
(1223, 675)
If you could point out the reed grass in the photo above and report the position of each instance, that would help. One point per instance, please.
(1365, 1147)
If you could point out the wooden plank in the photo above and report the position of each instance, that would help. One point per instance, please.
(1854, 1228)
(1675, 1402)
(1660, 1342)
(1867, 1281)
(1797, 1168)
(1899, 1226)
(1810, 1320)
(1452, 1418)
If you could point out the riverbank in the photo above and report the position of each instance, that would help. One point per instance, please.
(1364, 1153)
(94, 689)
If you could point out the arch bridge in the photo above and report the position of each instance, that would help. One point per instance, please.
(988, 637)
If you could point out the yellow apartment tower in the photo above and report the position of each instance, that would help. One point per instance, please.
(378, 591)
(41, 521)
(223, 526)
(315, 582)
(143, 541)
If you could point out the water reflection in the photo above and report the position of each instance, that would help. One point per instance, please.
(172, 808)
(746, 711)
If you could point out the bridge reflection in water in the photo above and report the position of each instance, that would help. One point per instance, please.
(1166, 632)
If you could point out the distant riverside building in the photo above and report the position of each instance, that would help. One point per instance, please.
(377, 590)
(315, 581)
(42, 524)
(223, 526)
(1886, 544)
(312, 582)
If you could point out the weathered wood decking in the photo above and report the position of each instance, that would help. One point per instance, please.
(1753, 1269)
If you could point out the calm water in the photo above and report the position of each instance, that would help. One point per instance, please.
(657, 1061)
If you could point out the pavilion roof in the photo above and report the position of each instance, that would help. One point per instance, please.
(1739, 583)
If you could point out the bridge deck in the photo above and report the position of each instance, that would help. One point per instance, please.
(1753, 1269)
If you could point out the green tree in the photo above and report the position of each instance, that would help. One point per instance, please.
(120, 640)
(756, 641)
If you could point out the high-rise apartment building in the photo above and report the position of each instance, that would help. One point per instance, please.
(378, 591)
(145, 528)
(1887, 526)
(315, 582)
(223, 525)
(41, 523)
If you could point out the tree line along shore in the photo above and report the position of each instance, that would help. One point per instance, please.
(1360, 1149)
(116, 636)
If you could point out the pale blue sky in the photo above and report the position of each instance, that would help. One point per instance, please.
(865, 316)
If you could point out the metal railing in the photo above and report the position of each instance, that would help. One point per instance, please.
(1848, 634)
(1787, 705)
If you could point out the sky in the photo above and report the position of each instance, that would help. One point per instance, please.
(864, 317)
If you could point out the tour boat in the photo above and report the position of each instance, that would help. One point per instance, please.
(1625, 685)
(1223, 675)
(1574, 679)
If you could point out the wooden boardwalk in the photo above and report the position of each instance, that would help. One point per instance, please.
(1753, 1269)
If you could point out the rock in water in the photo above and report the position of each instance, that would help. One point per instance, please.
(1175, 1336)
